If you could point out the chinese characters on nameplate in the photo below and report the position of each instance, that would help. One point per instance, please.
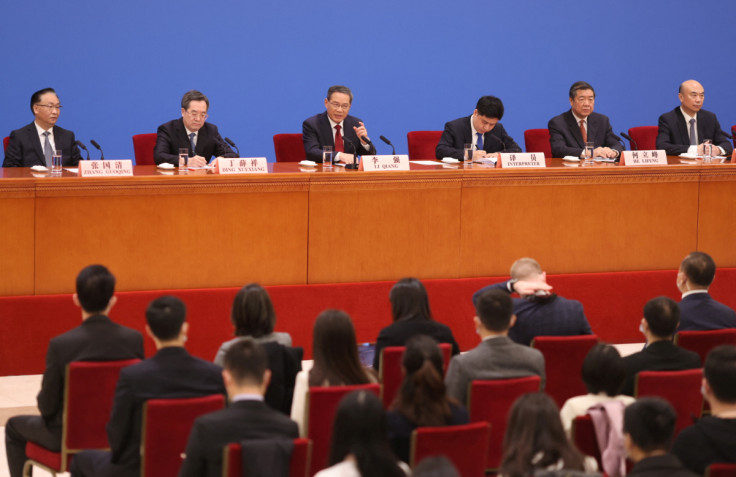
(518, 160)
(385, 163)
(106, 168)
(644, 158)
(242, 165)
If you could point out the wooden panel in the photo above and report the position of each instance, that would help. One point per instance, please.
(17, 243)
(717, 214)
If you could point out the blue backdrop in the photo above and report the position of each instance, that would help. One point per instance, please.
(120, 68)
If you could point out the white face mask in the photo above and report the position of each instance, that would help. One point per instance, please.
(641, 329)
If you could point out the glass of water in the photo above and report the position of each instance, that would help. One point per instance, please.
(707, 151)
(183, 158)
(588, 152)
(468, 152)
(56, 162)
(327, 157)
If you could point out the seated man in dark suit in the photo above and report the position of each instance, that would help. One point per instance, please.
(246, 377)
(96, 339)
(683, 129)
(346, 134)
(33, 145)
(482, 129)
(538, 312)
(698, 311)
(569, 131)
(661, 317)
(170, 373)
(190, 132)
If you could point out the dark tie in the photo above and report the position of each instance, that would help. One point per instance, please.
(693, 136)
(47, 152)
(191, 142)
(480, 141)
(583, 132)
(339, 145)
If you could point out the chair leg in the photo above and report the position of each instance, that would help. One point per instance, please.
(28, 468)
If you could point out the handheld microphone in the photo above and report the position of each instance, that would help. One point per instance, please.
(232, 144)
(80, 144)
(393, 149)
(354, 165)
(94, 143)
(633, 143)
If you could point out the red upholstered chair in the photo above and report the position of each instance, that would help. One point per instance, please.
(680, 388)
(733, 136)
(703, 341)
(232, 459)
(321, 407)
(89, 388)
(391, 373)
(466, 446)
(721, 470)
(166, 427)
(537, 140)
(583, 436)
(422, 144)
(645, 137)
(143, 145)
(289, 148)
(6, 140)
(490, 401)
(563, 360)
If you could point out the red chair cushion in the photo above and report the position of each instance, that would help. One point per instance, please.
(563, 360)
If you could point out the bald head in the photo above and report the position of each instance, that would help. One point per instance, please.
(691, 96)
(526, 269)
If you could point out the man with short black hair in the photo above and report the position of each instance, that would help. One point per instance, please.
(246, 378)
(496, 357)
(649, 425)
(482, 129)
(96, 339)
(698, 310)
(171, 373)
(713, 438)
(661, 317)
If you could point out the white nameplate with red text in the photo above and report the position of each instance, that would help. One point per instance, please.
(518, 160)
(242, 165)
(385, 163)
(106, 168)
(644, 158)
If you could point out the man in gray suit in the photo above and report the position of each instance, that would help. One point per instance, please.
(496, 357)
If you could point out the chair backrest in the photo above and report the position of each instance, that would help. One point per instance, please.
(645, 137)
(680, 388)
(702, 342)
(321, 407)
(584, 438)
(6, 140)
(563, 360)
(143, 145)
(289, 148)
(537, 140)
(232, 459)
(466, 446)
(391, 373)
(166, 427)
(490, 401)
(721, 469)
(733, 136)
(422, 144)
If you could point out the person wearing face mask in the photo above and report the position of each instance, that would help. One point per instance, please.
(698, 310)
(661, 317)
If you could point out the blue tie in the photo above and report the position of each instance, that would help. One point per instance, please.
(191, 141)
(480, 141)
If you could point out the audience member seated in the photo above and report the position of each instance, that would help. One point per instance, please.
(496, 357)
(336, 362)
(603, 374)
(536, 440)
(359, 442)
(649, 425)
(698, 311)
(435, 467)
(661, 317)
(96, 339)
(411, 316)
(539, 312)
(170, 373)
(421, 401)
(246, 377)
(713, 438)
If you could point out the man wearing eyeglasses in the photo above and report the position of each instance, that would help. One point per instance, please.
(33, 145)
(336, 128)
(190, 132)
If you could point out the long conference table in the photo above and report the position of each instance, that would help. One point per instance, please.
(297, 225)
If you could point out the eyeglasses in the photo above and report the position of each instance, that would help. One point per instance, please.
(197, 115)
(339, 106)
(50, 106)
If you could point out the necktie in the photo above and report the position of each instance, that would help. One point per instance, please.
(693, 136)
(191, 142)
(583, 132)
(47, 149)
(479, 143)
(339, 145)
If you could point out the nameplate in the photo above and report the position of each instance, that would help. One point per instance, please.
(107, 168)
(644, 158)
(519, 160)
(242, 165)
(385, 163)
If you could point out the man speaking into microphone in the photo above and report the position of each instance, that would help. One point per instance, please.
(345, 133)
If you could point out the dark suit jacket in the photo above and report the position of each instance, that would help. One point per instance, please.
(544, 316)
(659, 466)
(173, 135)
(96, 339)
(457, 133)
(242, 420)
(658, 356)
(25, 149)
(566, 140)
(316, 133)
(674, 137)
(700, 311)
(399, 332)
